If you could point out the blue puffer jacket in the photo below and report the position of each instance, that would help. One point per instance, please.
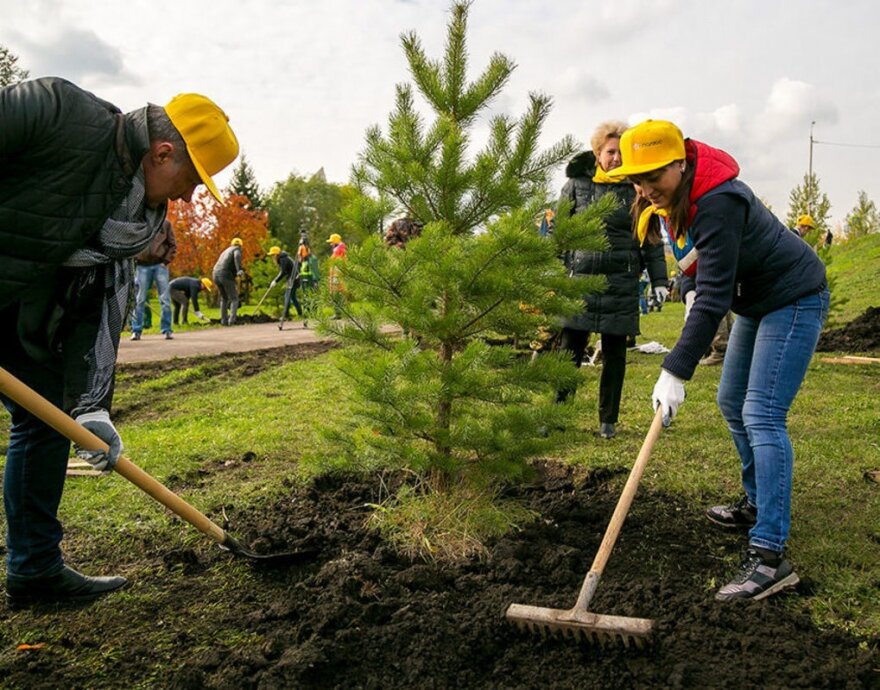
(66, 161)
(748, 261)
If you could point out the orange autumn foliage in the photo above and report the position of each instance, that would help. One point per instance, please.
(204, 228)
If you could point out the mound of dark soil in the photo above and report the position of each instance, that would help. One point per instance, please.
(361, 616)
(367, 618)
(862, 334)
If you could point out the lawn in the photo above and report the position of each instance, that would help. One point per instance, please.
(231, 443)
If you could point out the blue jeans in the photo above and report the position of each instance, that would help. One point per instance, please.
(765, 364)
(290, 298)
(146, 275)
(36, 464)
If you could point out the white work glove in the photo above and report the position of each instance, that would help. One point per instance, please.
(668, 394)
(201, 316)
(98, 422)
(273, 284)
(240, 273)
(661, 293)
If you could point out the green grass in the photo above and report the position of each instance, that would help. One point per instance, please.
(193, 422)
(856, 267)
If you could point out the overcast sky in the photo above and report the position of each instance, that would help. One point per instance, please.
(301, 80)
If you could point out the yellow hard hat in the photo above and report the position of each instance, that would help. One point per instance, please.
(649, 146)
(210, 141)
(274, 251)
(236, 241)
(806, 220)
(335, 238)
(207, 284)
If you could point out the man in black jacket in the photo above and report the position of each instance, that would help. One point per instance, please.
(83, 190)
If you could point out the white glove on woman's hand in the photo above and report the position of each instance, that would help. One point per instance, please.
(273, 283)
(98, 422)
(668, 394)
(661, 293)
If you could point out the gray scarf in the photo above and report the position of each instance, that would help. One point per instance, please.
(126, 232)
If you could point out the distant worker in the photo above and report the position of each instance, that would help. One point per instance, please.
(227, 268)
(804, 225)
(309, 276)
(152, 267)
(334, 280)
(288, 271)
(185, 290)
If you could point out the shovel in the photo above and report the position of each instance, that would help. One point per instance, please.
(41, 408)
(579, 621)
(262, 299)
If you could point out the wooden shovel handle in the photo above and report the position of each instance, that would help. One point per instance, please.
(626, 497)
(38, 406)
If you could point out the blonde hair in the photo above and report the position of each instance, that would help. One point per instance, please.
(612, 129)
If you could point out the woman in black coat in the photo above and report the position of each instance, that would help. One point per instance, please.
(613, 313)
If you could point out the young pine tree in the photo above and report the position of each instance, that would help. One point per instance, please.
(438, 399)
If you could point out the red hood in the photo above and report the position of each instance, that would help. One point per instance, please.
(714, 166)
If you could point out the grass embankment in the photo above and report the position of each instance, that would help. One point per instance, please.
(198, 433)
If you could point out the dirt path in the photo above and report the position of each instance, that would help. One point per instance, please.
(214, 341)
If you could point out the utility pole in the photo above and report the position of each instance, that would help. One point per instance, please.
(810, 175)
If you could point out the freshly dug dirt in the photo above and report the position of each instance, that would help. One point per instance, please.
(862, 334)
(361, 616)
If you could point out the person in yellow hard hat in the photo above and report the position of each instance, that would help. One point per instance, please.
(288, 271)
(186, 290)
(805, 224)
(742, 258)
(227, 268)
(334, 280)
(95, 183)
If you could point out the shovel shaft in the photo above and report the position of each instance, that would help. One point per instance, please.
(38, 406)
(262, 299)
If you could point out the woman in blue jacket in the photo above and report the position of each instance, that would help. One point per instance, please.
(744, 259)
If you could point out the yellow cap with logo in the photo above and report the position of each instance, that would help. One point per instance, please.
(210, 141)
(649, 146)
(274, 251)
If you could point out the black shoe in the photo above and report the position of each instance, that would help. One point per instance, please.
(135, 336)
(606, 430)
(740, 515)
(168, 336)
(66, 585)
(761, 574)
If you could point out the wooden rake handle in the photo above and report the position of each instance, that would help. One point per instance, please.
(591, 581)
(626, 497)
(41, 408)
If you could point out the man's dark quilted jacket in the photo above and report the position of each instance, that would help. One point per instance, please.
(66, 161)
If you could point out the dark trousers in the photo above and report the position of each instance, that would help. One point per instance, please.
(181, 302)
(36, 465)
(613, 369)
(290, 298)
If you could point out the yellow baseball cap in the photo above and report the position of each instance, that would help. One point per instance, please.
(806, 220)
(335, 238)
(207, 284)
(210, 141)
(236, 241)
(274, 251)
(649, 146)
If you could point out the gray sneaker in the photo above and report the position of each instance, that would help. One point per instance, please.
(761, 574)
(739, 515)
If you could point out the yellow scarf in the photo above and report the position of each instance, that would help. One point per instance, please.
(645, 219)
(602, 177)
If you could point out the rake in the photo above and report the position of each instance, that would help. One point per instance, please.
(579, 621)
